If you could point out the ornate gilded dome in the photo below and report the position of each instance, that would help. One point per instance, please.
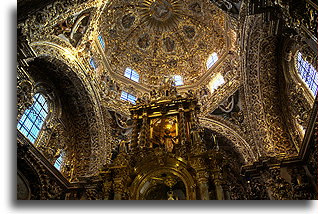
(162, 37)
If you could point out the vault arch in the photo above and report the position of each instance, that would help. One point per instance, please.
(239, 142)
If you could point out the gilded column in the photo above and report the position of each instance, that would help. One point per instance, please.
(182, 126)
(202, 177)
(24, 96)
(217, 175)
(118, 188)
(134, 138)
(143, 132)
(217, 178)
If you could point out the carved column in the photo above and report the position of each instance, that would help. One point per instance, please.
(134, 138)
(24, 96)
(202, 177)
(143, 132)
(217, 175)
(25, 84)
(182, 127)
(217, 178)
(118, 188)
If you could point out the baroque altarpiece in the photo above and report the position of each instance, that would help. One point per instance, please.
(167, 100)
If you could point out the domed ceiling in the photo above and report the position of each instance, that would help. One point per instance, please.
(162, 37)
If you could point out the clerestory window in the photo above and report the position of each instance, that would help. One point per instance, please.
(33, 118)
(178, 81)
(129, 97)
(101, 41)
(211, 60)
(216, 82)
(93, 63)
(131, 74)
(58, 162)
(308, 73)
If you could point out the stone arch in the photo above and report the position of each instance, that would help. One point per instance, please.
(299, 99)
(261, 86)
(239, 142)
(181, 172)
(70, 73)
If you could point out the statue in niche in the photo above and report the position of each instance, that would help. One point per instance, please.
(169, 44)
(164, 132)
(189, 31)
(128, 20)
(195, 7)
(113, 33)
(144, 41)
(169, 140)
(172, 63)
(136, 58)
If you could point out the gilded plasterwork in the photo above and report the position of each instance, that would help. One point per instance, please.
(159, 38)
(262, 92)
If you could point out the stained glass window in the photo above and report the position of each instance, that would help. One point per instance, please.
(33, 118)
(308, 73)
(101, 41)
(58, 162)
(178, 80)
(211, 60)
(129, 97)
(131, 74)
(93, 63)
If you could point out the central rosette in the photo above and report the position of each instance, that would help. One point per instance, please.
(161, 15)
(161, 10)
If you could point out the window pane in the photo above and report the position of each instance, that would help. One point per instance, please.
(316, 78)
(36, 96)
(101, 41)
(307, 72)
(93, 63)
(178, 80)
(32, 139)
(22, 118)
(131, 74)
(211, 60)
(45, 107)
(28, 124)
(314, 87)
(129, 97)
(33, 118)
(34, 131)
(23, 131)
(58, 162)
(41, 99)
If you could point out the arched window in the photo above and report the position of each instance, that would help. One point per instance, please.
(211, 60)
(308, 73)
(131, 74)
(101, 41)
(129, 97)
(216, 82)
(93, 63)
(33, 118)
(178, 80)
(58, 162)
